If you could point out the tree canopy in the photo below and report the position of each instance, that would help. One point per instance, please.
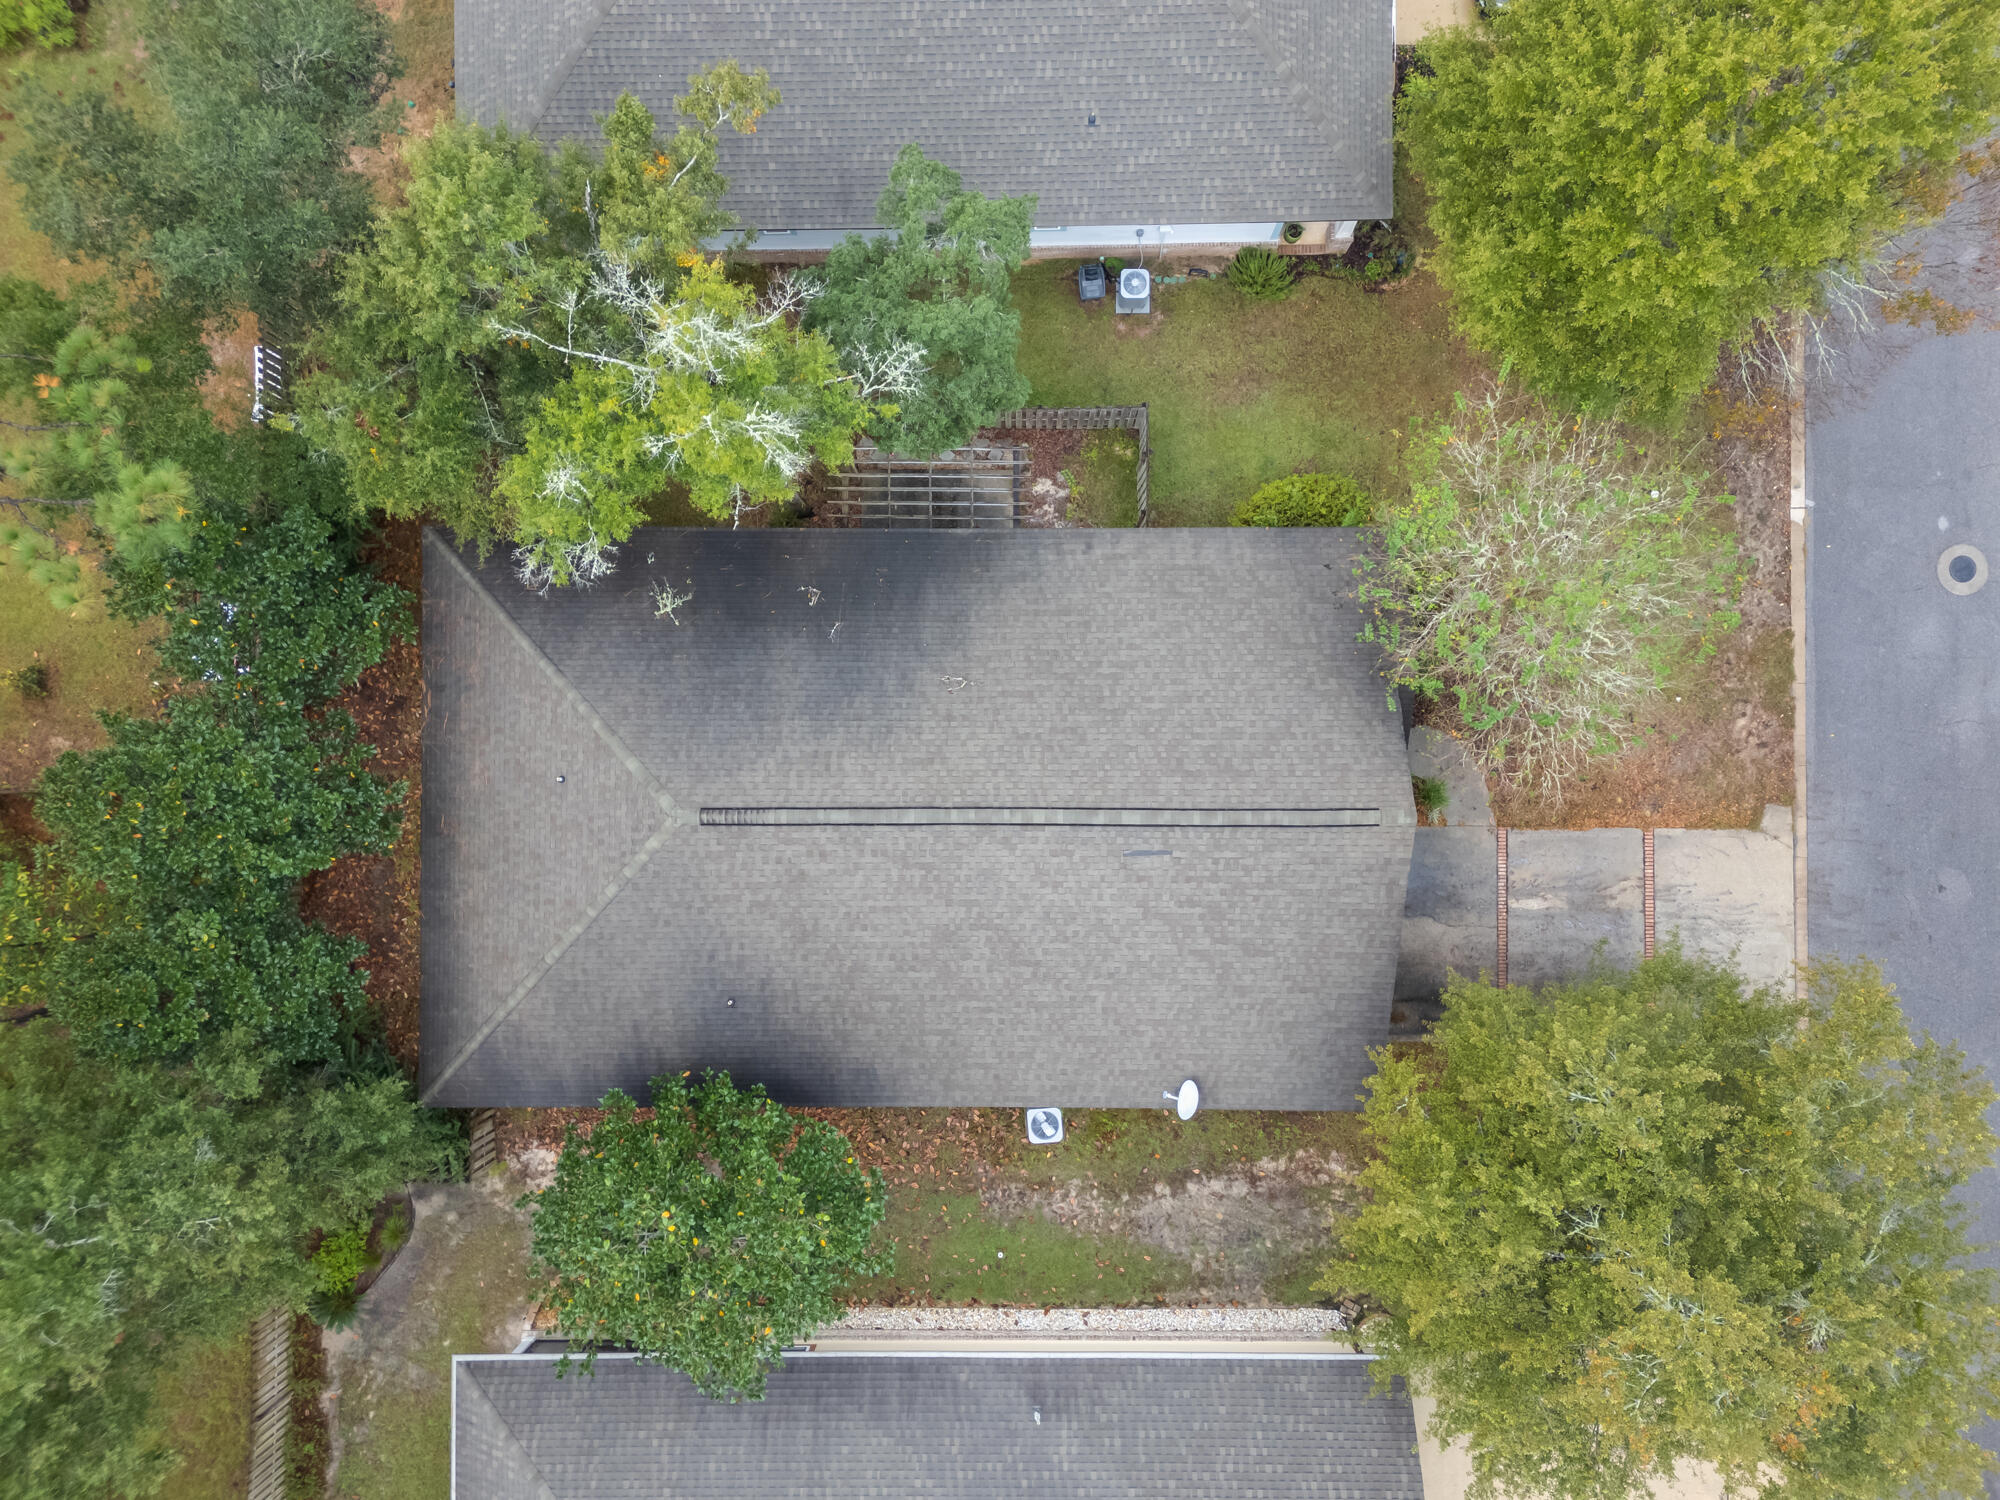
(239, 189)
(483, 297)
(1654, 1216)
(708, 385)
(144, 1206)
(1621, 187)
(940, 283)
(708, 1237)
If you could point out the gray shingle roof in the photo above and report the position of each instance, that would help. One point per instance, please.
(1208, 111)
(590, 931)
(958, 1427)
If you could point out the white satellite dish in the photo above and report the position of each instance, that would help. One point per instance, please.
(1187, 1101)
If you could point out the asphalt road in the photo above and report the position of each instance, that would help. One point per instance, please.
(1903, 677)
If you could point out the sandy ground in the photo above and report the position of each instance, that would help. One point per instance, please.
(1236, 1229)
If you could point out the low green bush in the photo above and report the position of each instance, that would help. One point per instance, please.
(341, 1258)
(1258, 272)
(46, 23)
(31, 681)
(1305, 500)
(1432, 796)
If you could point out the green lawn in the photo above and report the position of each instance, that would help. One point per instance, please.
(205, 1398)
(949, 1249)
(1330, 378)
(94, 662)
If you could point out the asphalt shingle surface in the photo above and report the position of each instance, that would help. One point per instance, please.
(940, 1428)
(586, 933)
(1208, 111)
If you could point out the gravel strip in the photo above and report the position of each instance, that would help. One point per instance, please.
(1113, 1322)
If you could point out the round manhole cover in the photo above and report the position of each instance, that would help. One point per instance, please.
(1962, 569)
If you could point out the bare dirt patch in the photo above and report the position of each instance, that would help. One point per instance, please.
(460, 1286)
(421, 31)
(1054, 457)
(228, 389)
(1237, 1230)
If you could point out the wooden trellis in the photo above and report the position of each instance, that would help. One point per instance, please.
(976, 487)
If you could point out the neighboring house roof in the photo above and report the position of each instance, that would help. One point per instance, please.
(938, 1427)
(1008, 918)
(1208, 111)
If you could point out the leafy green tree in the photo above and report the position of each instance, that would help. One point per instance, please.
(708, 1237)
(272, 610)
(1621, 187)
(705, 385)
(141, 1207)
(417, 387)
(201, 804)
(940, 282)
(238, 191)
(445, 344)
(136, 973)
(1549, 574)
(1651, 1217)
(198, 826)
(661, 199)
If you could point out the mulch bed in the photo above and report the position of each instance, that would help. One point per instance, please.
(309, 1440)
(914, 1147)
(374, 897)
(1054, 449)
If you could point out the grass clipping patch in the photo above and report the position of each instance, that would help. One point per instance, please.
(1550, 575)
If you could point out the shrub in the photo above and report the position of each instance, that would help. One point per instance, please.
(1550, 575)
(341, 1258)
(1432, 796)
(1259, 272)
(1305, 500)
(31, 681)
(46, 23)
(395, 1229)
(709, 1237)
(335, 1311)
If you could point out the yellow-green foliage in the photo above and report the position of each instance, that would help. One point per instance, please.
(709, 387)
(1305, 500)
(43, 23)
(1620, 187)
(1654, 1217)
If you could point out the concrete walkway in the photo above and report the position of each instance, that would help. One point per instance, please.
(1574, 898)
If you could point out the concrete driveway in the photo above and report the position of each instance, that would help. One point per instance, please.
(1903, 677)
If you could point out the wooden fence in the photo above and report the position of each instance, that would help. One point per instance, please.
(271, 1411)
(1070, 418)
(482, 1149)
